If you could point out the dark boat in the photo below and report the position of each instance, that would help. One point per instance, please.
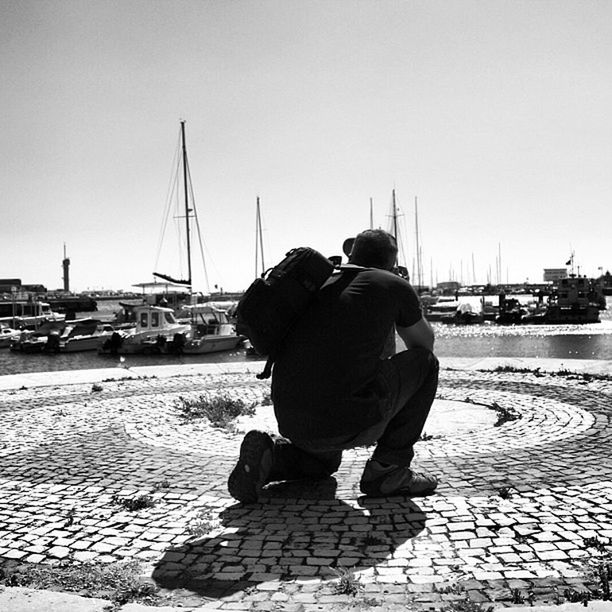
(73, 303)
(575, 299)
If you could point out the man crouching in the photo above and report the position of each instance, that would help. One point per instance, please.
(337, 385)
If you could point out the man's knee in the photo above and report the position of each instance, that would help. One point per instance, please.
(426, 354)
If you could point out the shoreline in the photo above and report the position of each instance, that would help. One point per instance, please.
(597, 367)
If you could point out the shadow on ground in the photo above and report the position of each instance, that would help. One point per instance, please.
(299, 532)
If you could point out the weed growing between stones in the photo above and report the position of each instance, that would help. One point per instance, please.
(504, 414)
(601, 572)
(162, 484)
(604, 573)
(450, 589)
(599, 576)
(70, 517)
(220, 409)
(466, 605)
(516, 596)
(597, 544)
(574, 596)
(506, 492)
(514, 370)
(562, 372)
(133, 503)
(203, 523)
(425, 437)
(348, 583)
(119, 582)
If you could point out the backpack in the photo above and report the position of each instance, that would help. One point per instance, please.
(272, 304)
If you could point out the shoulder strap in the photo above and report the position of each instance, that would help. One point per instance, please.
(267, 371)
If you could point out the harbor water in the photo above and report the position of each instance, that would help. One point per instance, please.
(589, 341)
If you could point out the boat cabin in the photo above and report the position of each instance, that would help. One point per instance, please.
(154, 318)
(206, 319)
(26, 313)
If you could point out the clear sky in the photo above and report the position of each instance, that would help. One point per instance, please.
(495, 114)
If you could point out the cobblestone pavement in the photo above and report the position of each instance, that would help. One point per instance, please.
(524, 509)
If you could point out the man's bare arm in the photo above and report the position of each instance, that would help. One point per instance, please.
(418, 335)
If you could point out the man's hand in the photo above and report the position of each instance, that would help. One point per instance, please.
(418, 335)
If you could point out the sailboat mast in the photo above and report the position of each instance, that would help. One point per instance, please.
(394, 216)
(259, 241)
(257, 237)
(418, 248)
(187, 211)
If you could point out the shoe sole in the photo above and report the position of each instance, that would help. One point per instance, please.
(254, 464)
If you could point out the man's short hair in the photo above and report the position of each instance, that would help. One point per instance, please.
(374, 248)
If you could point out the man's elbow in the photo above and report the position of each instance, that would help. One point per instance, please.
(419, 335)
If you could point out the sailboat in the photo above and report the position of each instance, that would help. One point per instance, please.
(196, 328)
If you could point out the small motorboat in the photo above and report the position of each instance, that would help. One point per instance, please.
(85, 335)
(211, 331)
(7, 335)
(155, 328)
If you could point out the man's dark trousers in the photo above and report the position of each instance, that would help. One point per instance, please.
(410, 381)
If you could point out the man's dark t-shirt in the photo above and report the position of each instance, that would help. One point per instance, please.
(324, 381)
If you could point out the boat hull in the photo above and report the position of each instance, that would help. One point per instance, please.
(76, 345)
(211, 344)
(29, 346)
(559, 315)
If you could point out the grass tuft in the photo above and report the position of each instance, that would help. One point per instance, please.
(221, 410)
(202, 524)
(504, 414)
(561, 372)
(119, 582)
(466, 605)
(348, 583)
(133, 504)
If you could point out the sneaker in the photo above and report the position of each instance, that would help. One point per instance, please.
(253, 467)
(380, 480)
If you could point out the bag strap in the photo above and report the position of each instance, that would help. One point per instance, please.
(267, 371)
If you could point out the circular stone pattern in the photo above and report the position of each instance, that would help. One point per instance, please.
(461, 418)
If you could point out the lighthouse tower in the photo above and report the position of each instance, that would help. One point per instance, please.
(66, 267)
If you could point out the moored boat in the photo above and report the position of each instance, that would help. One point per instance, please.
(155, 331)
(29, 341)
(7, 335)
(452, 311)
(27, 313)
(211, 331)
(443, 309)
(510, 311)
(84, 335)
(575, 299)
